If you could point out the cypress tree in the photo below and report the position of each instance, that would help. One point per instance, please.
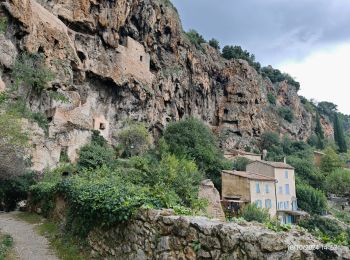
(339, 135)
(319, 133)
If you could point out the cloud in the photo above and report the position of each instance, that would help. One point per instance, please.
(274, 30)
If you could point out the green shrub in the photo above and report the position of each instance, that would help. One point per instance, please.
(14, 190)
(275, 225)
(236, 52)
(134, 140)
(331, 161)
(271, 98)
(310, 199)
(252, 213)
(326, 229)
(215, 44)
(30, 70)
(240, 164)
(191, 139)
(276, 76)
(94, 156)
(338, 182)
(195, 38)
(286, 113)
(6, 243)
(306, 171)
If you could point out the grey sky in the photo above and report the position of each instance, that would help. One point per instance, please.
(278, 32)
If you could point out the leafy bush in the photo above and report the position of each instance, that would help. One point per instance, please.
(215, 44)
(286, 113)
(326, 225)
(134, 140)
(191, 139)
(30, 70)
(271, 98)
(275, 225)
(276, 75)
(310, 199)
(240, 164)
(338, 182)
(236, 52)
(94, 156)
(331, 161)
(6, 243)
(195, 38)
(252, 213)
(14, 190)
(306, 170)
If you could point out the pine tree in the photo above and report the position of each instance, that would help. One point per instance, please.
(339, 135)
(319, 133)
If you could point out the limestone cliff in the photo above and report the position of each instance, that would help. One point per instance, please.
(123, 59)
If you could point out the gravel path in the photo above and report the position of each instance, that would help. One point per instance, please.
(28, 244)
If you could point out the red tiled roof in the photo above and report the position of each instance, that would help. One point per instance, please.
(249, 175)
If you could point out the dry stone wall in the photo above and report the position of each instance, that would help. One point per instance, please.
(161, 235)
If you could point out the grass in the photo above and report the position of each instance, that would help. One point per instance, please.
(6, 244)
(343, 216)
(65, 246)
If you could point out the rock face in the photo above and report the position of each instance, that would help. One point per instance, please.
(159, 235)
(208, 192)
(118, 60)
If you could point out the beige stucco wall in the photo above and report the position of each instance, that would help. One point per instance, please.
(263, 195)
(233, 185)
(260, 168)
(130, 62)
(281, 182)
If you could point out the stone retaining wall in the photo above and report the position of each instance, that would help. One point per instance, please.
(161, 235)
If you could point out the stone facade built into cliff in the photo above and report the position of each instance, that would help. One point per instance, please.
(133, 61)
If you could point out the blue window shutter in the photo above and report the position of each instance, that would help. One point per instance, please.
(286, 174)
(287, 188)
(257, 187)
(267, 188)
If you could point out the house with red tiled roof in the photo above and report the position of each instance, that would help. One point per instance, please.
(241, 188)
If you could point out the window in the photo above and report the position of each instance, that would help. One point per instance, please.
(258, 203)
(287, 188)
(268, 204)
(286, 174)
(280, 189)
(286, 205)
(280, 205)
(102, 126)
(257, 187)
(267, 188)
(294, 205)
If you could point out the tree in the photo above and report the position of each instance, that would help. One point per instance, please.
(339, 135)
(195, 38)
(215, 44)
(96, 154)
(236, 52)
(240, 164)
(276, 76)
(192, 139)
(311, 200)
(286, 113)
(134, 140)
(338, 182)
(319, 132)
(331, 161)
(327, 108)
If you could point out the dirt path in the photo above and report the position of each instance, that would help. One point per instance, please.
(28, 244)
